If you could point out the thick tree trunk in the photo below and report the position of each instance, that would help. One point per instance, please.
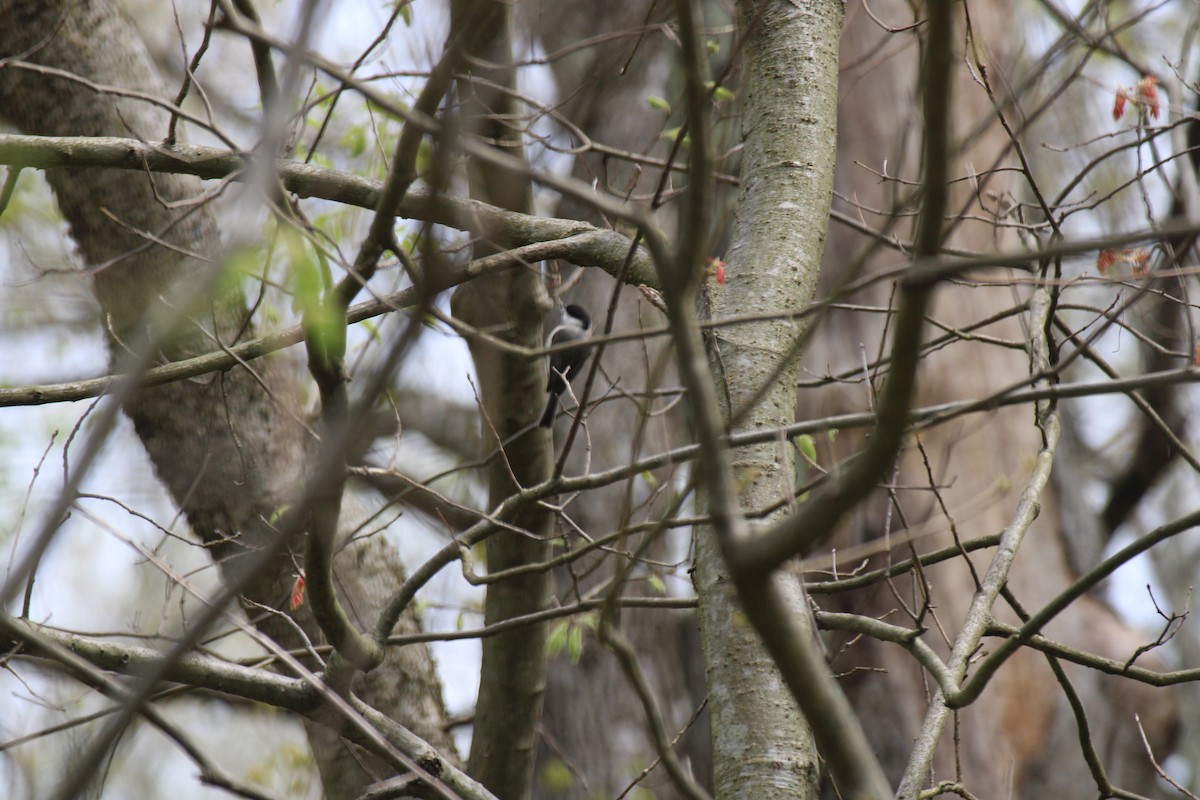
(762, 746)
(228, 446)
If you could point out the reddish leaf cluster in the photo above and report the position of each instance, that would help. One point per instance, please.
(1144, 95)
(1111, 261)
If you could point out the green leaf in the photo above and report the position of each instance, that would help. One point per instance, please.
(831, 435)
(657, 583)
(713, 47)
(556, 640)
(323, 266)
(575, 643)
(807, 446)
(326, 95)
(372, 330)
(556, 776)
(278, 513)
(649, 478)
(324, 330)
(406, 12)
(658, 103)
(324, 325)
(412, 242)
(672, 134)
(721, 94)
(305, 276)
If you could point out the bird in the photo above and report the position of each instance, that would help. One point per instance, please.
(576, 324)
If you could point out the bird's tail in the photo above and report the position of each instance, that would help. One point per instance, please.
(551, 411)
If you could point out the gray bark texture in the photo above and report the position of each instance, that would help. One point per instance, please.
(229, 446)
(762, 746)
(513, 669)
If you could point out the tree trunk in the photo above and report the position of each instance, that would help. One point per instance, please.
(513, 670)
(227, 446)
(762, 746)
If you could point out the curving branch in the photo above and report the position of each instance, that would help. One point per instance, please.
(607, 249)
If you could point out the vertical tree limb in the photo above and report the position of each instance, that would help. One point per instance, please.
(763, 745)
(511, 305)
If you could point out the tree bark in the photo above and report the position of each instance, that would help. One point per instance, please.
(228, 446)
(762, 746)
(511, 305)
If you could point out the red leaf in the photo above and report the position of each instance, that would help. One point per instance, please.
(1119, 104)
(297, 598)
(716, 266)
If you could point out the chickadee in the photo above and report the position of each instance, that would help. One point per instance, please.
(565, 364)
